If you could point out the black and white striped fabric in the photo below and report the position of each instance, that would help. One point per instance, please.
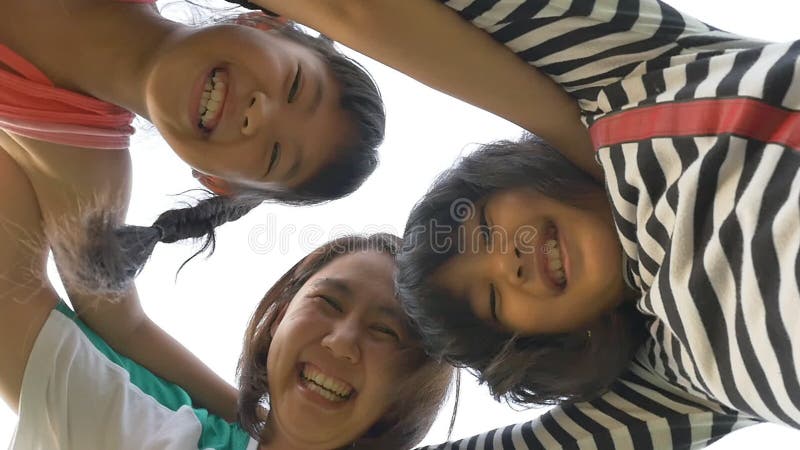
(698, 132)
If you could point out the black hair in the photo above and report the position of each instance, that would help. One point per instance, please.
(538, 369)
(113, 256)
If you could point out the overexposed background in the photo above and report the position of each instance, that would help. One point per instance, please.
(206, 307)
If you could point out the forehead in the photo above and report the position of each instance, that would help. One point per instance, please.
(453, 276)
(323, 136)
(366, 276)
(461, 275)
(325, 130)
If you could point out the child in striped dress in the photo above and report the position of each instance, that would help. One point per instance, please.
(695, 132)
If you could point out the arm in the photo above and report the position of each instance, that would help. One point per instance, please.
(641, 411)
(430, 43)
(26, 296)
(66, 183)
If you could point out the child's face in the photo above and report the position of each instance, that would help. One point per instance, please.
(272, 119)
(336, 356)
(546, 267)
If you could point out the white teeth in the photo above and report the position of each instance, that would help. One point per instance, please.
(217, 95)
(554, 264)
(324, 393)
(329, 388)
(212, 97)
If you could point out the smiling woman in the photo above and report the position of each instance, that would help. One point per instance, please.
(329, 359)
(331, 352)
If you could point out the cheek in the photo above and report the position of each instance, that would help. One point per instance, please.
(386, 369)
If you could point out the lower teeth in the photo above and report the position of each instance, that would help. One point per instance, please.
(324, 391)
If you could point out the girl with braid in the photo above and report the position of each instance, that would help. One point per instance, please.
(257, 108)
(235, 101)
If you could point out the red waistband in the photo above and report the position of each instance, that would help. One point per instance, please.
(745, 117)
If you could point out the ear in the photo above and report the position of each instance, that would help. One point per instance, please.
(213, 184)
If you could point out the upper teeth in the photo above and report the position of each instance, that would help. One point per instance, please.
(329, 388)
(554, 265)
(212, 98)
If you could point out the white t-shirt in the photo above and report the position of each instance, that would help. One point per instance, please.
(77, 393)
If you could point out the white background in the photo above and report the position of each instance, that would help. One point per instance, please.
(207, 305)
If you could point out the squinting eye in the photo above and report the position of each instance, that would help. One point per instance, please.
(276, 150)
(331, 303)
(295, 84)
(493, 303)
(387, 332)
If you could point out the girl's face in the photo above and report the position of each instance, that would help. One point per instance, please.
(248, 106)
(336, 355)
(543, 266)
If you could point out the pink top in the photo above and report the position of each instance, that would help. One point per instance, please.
(32, 106)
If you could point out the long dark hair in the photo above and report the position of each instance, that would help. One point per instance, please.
(422, 393)
(538, 369)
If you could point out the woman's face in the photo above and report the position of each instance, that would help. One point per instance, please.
(248, 106)
(336, 355)
(544, 266)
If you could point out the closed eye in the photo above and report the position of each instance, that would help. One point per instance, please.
(331, 303)
(298, 76)
(493, 303)
(387, 332)
(274, 156)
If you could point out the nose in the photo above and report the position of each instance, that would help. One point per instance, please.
(257, 114)
(342, 341)
(510, 266)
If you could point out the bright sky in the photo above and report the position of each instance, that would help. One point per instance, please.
(207, 306)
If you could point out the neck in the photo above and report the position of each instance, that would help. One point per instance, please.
(105, 50)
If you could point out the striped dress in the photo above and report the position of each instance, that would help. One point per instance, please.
(697, 131)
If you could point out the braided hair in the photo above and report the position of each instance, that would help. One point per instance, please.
(101, 257)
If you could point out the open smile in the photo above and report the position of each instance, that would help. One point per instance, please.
(212, 100)
(324, 388)
(551, 260)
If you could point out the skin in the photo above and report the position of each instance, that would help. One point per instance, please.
(157, 76)
(262, 110)
(346, 322)
(447, 53)
(514, 262)
(47, 186)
